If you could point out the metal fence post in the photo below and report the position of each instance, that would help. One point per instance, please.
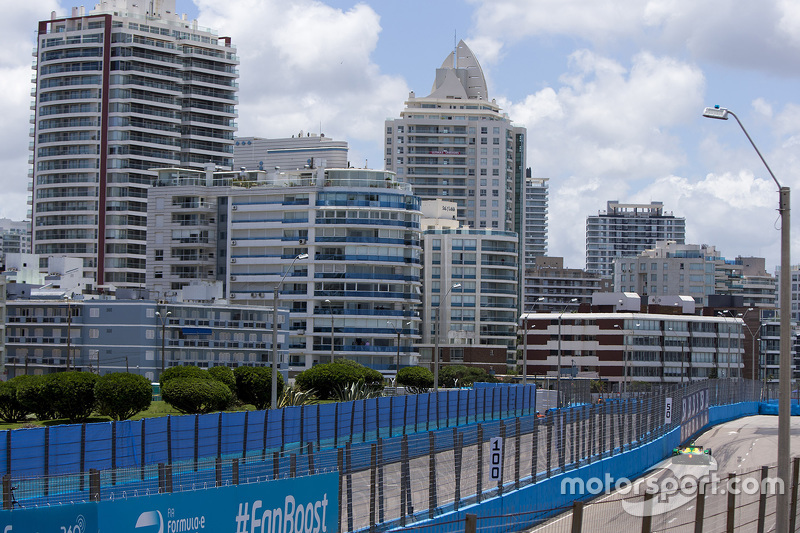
(7, 497)
(762, 500)
(647, 519)
(458, 453)
(700, 506)
(731, 503)
(94, 485)
(577, 516)
(432, 500)
(373, 452)
(793, 505)
(471, 523)
(479, 489)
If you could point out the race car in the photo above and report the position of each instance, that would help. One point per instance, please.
(691, 454)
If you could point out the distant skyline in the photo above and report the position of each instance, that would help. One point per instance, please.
(611, 95)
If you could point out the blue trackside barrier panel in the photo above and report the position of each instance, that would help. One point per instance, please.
(207, 428)
(771, 408)
(182, 433)
(128, 435)
(299, 505)
(65, 449)
(69, 448)
(97, 450)
(232, 434)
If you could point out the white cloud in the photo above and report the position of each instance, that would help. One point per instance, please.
(306, 65)
(760, 35)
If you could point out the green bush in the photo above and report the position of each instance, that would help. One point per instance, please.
(121, 395)
(254, 385)
(73, 394)
(224, 374)
(35, 395)
(187, 371)
(416, 378)
(11, 409)
(330, 378)
(196, 395)
(463, 376)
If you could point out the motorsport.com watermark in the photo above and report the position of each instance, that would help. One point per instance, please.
(674, 487)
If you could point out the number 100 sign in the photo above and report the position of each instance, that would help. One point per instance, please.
(496, 458)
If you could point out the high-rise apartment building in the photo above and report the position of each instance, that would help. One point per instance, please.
(470, 289)
(359, 284)
(456, 144)
(536, 195)
(289, 153)
(129, 87)
(626, 230)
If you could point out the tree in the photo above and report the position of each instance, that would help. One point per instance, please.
(463, 376)
(416, 378)
(254, 385)
(121, 395)
(329, 379)
(196, 395)
(11, 409)
(223, 374)
(186, 371)
(73, 394)
(35, 395)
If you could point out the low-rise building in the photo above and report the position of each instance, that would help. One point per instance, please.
(625, 347)
(139, 336)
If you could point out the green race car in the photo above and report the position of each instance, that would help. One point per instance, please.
(692, 454)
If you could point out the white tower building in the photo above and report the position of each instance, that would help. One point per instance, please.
(128, 87)
(457, 145)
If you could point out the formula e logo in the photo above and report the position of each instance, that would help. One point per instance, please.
(78, 527)
(151, 520)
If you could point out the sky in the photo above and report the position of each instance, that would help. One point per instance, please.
(611, 94)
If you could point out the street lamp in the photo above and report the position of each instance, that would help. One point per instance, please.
(525, 350)
(558, 375)
(785, 373)
(274, 392)
(436, 347)
(682, 356)
(330, 311)
(730, 314)
(163, 318)
(397, 362)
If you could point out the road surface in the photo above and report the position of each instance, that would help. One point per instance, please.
(741, 447)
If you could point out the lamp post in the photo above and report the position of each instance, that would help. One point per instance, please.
(163, 317)
(436, 340)
(330, 311)
(753, 373)
(398, 331)
(525, 349)
(785, 372)
(274, 391)
(558, 374)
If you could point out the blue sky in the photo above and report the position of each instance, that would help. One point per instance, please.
(611, 94)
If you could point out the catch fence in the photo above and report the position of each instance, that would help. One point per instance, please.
(389, 479)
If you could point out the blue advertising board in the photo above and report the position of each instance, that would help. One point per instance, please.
(296, 505)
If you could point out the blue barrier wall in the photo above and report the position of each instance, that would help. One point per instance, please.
(544, 499)
(72, 448)
(301, 505)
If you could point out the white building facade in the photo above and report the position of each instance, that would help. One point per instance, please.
(291, 153)
(456, 144)
(250, 231)
(119, 91)
(625, 230)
